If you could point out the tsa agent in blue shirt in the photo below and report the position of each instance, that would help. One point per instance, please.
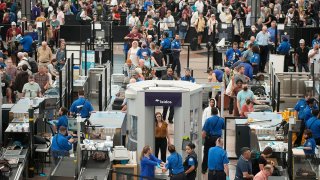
(191, 162)
(284, 47)
(255, 59)
(148, 162)
(299, 107)
(63, 119)
(219, 74)
(165, 43)
(310, 144)
(314, 125)
(211, 131)
(232, 55)
(176, 49)
(61, 144)
(86, 108)
(174, 164)
(187, 76)
(248, 70)
(218, 161)
(26, 43)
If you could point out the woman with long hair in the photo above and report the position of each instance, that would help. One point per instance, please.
(161, 136)
(148, 162)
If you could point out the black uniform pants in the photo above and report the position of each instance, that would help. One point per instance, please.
(171, 113)
(176, 63)
(180, 176)
(210, 141)
(216, 175)
(161, 145)
(264, 51)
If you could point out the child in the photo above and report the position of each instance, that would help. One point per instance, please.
(246, 108)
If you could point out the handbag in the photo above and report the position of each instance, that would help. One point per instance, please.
(5, 168)
(99, 156)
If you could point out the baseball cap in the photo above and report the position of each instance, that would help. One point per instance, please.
(144, 54)
(13, 24)
(301, 41)
(149, 36)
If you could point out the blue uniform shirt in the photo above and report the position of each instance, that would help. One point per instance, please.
(217, 157)
(314, 125)
(175, 44)
(219, 74)
(26, 43)
(284, 48)
(310, 143)
(62, 121)
(248, 70)
(213, 126)
(190, 79)
(60, 143)
(147, 166)
(315, 41)
(255, 58)
(301, 104)
(174, 163)
(307, 113)
(86, 109)
(231, 55)
(166, 43)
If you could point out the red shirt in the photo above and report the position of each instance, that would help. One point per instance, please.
(134, 35)
(246, 108)
(9, 32)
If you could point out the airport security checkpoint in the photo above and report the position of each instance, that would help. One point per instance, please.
(174, 89)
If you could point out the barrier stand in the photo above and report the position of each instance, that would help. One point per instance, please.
(60, 88)
(100, 93)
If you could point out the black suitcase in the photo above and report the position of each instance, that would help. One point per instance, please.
(194, 44)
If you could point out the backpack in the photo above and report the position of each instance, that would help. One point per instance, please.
(33, 65)
(99, 9)
(255, 155)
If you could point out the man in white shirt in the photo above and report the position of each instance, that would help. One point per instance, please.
(219, 6)
(114, 3)
(207, 111)
(133, 20)
(314, 56)
(199, 5)
(170, 20)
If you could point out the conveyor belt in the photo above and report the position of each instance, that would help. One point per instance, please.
(65, 169)
(95, 169)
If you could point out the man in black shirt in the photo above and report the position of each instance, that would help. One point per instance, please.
(158, 56)
(301, 57)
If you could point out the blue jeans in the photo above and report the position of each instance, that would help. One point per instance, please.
(305, 66)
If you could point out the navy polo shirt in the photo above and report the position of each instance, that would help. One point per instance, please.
(243, 165)
(217, 157)
(174, 163)
(213, 126)
(86, 109)
(219, 74)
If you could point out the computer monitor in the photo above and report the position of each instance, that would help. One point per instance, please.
(50, 103)
(72, 124)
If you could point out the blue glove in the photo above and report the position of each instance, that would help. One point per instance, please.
(300, 147)
(227, 178)
(158, 166)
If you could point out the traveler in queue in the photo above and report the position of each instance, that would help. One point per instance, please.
(148, 162)
(244, 166)
(314, 125)
(218, 162)
(211, 131)
(191, 162)
(161, 136)
(207, 111)
(174, 165)
(61, 145)
(81, 105)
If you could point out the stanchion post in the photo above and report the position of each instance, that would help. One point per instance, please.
(188, 57)
(85, 57)
(100, 93)
(60, 88)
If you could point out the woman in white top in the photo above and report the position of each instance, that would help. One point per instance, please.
(132, 53)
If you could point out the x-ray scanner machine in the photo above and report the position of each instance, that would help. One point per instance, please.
(186, 98)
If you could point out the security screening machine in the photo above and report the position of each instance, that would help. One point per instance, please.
(185, 97)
